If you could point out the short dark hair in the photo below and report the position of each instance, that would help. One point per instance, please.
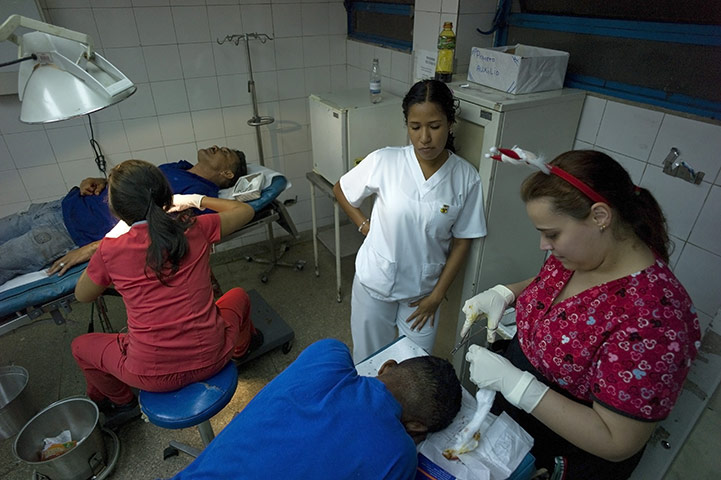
(241, 169)
(432, 392)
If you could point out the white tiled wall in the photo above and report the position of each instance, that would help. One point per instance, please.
(640, 139)
(192, 93)
(466, 16)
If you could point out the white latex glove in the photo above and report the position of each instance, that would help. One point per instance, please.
(183, 202)
(493, 302)
(492, 371)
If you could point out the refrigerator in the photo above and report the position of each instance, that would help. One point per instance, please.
(544, 123)
(345, 127)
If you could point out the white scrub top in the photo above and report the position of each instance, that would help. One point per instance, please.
(413, 220)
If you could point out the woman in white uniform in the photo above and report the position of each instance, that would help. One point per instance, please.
(428, 208)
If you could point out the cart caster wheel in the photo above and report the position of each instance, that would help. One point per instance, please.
(317, 273)
(299, 266)
(248, 258)
(169, 452)
(287, 346)
(264, 278)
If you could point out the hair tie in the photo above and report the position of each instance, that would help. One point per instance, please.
(517, 156)
(636, 190)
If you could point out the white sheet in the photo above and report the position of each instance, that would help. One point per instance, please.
(23, 280)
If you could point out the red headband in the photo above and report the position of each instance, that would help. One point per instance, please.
(552, 169)
(585, 189)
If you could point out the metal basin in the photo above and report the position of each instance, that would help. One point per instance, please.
(15, 406)
(80, 416)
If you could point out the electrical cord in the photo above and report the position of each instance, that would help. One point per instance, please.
(499, 20)
(99, 157)
(18, 60)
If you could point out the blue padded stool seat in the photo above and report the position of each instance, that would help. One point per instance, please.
(192, 405)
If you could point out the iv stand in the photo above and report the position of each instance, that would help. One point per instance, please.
(256, 121)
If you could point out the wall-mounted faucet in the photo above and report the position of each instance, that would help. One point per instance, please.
(678, 168)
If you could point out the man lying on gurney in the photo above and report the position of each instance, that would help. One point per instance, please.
(76, 223)
(320, 419)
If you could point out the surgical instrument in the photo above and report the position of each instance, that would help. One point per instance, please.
(464, 340)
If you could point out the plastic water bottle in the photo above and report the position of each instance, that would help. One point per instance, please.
(375, 83)
(446, 48)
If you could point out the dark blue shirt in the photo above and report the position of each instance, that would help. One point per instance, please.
(183, 181)
(318, 419)
(88, 218)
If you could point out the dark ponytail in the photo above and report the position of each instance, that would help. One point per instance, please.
(648, 222)
(437, 92)
(637, 209)
(139, 191)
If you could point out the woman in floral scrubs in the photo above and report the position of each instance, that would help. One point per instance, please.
(606, 332)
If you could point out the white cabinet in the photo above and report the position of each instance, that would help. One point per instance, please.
(544, 123)
(345, 127)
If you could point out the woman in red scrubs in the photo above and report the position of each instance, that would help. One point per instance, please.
(606, 332)
(177, 334)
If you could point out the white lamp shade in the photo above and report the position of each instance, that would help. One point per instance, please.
(62, 83)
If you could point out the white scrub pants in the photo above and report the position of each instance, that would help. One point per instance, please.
(373, 323)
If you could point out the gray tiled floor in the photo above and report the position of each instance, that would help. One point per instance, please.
(306, 302)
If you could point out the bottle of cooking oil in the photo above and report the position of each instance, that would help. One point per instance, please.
(446, 48)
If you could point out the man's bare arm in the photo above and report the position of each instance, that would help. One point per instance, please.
(72, 258)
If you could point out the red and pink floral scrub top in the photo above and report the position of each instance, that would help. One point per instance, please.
(626, 344)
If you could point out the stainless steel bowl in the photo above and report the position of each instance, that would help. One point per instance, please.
(15, 406)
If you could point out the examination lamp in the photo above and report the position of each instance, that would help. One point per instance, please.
(60, 75)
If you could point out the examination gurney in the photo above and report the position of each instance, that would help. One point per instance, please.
(268, 210)
(27, 297)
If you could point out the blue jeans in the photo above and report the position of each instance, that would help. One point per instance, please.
(33, 239)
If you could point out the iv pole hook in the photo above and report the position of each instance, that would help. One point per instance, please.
(257, 121)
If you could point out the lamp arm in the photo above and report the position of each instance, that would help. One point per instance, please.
(8, 28)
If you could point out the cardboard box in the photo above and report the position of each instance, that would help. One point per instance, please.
(518, 68)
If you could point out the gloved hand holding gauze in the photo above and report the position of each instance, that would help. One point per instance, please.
(492, 371)
(493, 302)
(182, 202)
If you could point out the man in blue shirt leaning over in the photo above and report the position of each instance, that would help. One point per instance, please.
(319, 419)
(71, 227)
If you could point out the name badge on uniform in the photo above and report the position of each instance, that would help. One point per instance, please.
(444, 209)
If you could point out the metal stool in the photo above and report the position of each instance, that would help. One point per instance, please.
(192, 405)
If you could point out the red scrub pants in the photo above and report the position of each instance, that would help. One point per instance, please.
(102, 361)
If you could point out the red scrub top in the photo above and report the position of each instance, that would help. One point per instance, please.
(171, 328)
(627, 344)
